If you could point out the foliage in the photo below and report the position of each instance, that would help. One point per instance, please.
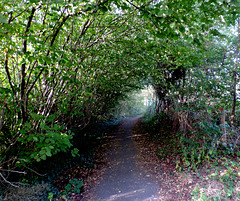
(134, 103)
(65, 64)
(74, 186)
(193, 149)
(226, 174)
(53, 78)
(48, 143)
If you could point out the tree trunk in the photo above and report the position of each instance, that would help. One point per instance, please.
(234, 97)
(235, 78)
(224, 136)
(23, 99)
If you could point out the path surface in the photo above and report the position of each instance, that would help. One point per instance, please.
(123, 180)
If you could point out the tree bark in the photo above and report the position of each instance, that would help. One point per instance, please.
(234, 97)
(235, 78)
(23, 99)
(8, 73)
(223, 118)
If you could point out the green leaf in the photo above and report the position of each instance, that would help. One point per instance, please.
(48, 151)
(57, 1)
(215, 32)
(197, 41)
(35, 138)
(172, 25)
(182, 29)
(37, 116)
(68, 187)
(3, 19)
(43, 157)
(74, 152)
(104, 9)
(47, 60)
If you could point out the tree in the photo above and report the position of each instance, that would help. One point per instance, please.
(67, 63)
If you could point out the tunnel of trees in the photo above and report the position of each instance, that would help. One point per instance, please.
(68, 63)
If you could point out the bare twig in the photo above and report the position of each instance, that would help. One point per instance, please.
(8, 181)
(1, 118)
(15, 171)
(42, 175)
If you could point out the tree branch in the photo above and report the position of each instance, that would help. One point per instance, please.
(8, 73)
(23, 69)
(8, 181)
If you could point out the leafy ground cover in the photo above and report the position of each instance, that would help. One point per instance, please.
(159, 153)
(216, 179)
(68, 177)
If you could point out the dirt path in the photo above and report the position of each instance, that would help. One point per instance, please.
(123, 180)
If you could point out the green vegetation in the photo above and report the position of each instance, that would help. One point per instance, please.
(134, 103)
(223, 183)
(67, 64)
(74, 185)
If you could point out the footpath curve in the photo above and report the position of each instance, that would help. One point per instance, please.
(123, 180)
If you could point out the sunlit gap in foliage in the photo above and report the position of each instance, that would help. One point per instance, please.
(135, 103)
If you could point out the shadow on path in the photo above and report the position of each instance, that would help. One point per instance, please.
(123, 180)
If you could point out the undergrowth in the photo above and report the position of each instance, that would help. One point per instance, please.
(62, 175)
(200, 149)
